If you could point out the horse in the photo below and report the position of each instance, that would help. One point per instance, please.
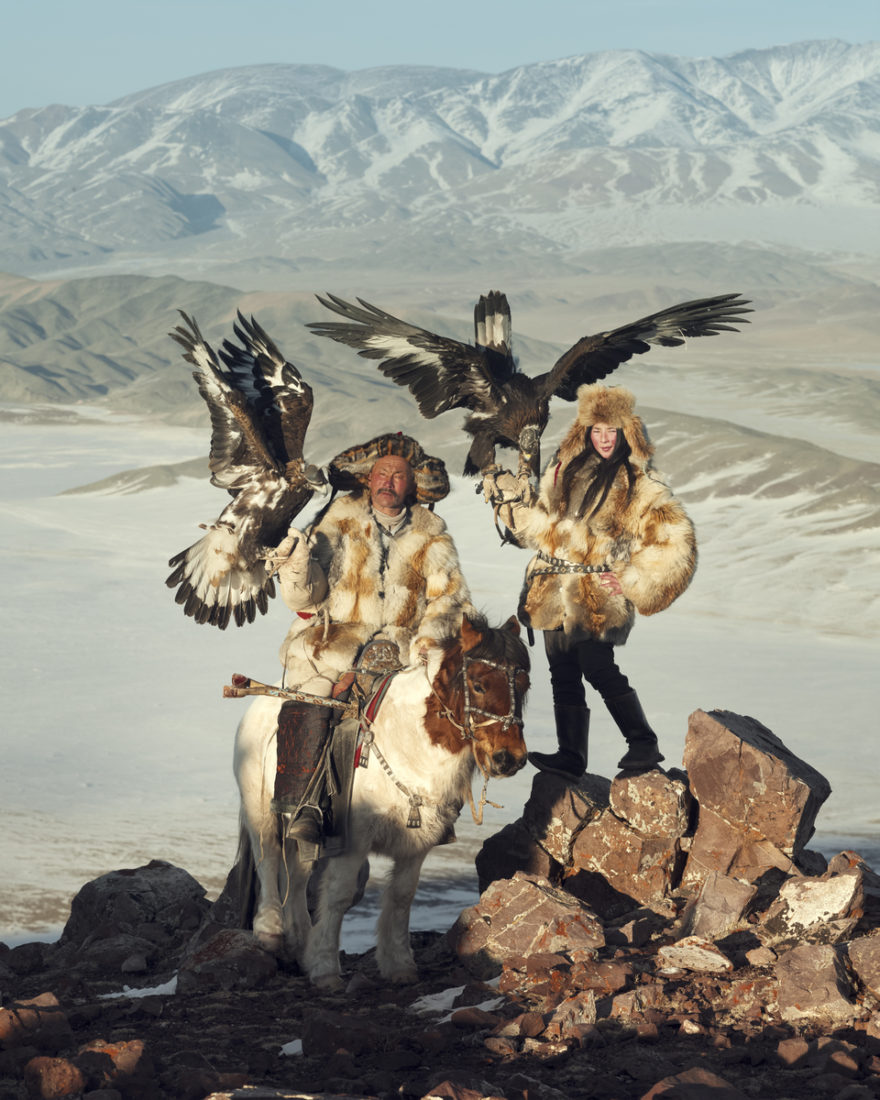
(438, 723)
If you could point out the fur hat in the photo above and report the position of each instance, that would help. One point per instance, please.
(350, 469)
(614, 405)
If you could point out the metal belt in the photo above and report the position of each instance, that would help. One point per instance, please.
(560, 565)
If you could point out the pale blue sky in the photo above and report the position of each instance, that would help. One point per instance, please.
(93, 51)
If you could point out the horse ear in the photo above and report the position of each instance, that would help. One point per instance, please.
(470, 636)
(512, 624)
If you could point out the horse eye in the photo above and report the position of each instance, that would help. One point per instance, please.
(478, 687)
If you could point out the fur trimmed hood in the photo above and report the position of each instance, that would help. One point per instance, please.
(612, 405)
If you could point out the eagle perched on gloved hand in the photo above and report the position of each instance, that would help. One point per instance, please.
(260, 409)
(508, 408)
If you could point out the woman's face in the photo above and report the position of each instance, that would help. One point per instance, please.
(604, 439)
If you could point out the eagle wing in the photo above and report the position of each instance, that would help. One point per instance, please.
(441, 373)
(594, 357)
(260, 408)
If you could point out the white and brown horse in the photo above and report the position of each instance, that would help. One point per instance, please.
(437, 725)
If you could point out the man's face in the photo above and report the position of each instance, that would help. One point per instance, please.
(391, 481)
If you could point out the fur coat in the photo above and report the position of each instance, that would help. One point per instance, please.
(643, 534)
(352, 582)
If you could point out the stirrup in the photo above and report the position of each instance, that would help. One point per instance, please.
(307, 826)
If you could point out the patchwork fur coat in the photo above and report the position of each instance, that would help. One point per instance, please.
(351, 581)
(642, 533)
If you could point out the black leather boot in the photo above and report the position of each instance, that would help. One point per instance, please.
(644, 752)
(303, 732)
(572, 731)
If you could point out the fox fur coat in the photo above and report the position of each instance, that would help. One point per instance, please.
(350, 581)
(641, 531)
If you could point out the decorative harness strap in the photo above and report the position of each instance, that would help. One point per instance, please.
(560, 565)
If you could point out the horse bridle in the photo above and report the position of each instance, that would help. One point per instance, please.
(468, 732)
(470, 709)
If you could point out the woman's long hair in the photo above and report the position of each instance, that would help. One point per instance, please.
(604, 476)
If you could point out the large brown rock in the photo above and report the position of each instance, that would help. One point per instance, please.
(864, 958)
(518, 916)
(725, 848)
(513, 849)
(556, 811)
(652, 803)
(134, 901)
(539, 843)
(745, 773)
(757, 800)
(645, 869)
(813, 986)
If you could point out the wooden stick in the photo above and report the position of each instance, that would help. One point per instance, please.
(244, 685)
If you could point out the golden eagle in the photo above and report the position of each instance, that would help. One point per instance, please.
(260, 408)
(509, 408)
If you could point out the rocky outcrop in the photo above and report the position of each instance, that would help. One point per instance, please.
(655, 934)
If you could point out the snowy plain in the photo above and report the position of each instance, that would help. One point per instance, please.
(117, 742)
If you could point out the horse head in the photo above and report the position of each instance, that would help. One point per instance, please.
(495, 682)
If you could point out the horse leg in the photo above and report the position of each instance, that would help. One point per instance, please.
(394, 954)
(337, 892)
(254, 765)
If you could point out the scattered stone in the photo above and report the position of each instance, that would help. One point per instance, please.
(720, 905)
(823, 910)
(695, 953)
(232, 959)
(39, 1022)
(126, 1066)
(53, 1078)
(695, 1084)
(761, 956)
(670, 959)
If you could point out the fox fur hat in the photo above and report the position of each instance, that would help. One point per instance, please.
(613, 405)
(350, 469)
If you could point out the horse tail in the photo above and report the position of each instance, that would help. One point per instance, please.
(245, 878)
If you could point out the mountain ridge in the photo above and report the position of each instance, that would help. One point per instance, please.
(287, 164)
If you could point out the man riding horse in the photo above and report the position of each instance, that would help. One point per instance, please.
(375, 566)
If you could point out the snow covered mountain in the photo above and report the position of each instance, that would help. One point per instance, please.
(290, 165)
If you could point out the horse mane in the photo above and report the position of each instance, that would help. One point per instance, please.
(496, 644)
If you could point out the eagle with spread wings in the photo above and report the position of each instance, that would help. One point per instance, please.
(260, 407)
(509, 408)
